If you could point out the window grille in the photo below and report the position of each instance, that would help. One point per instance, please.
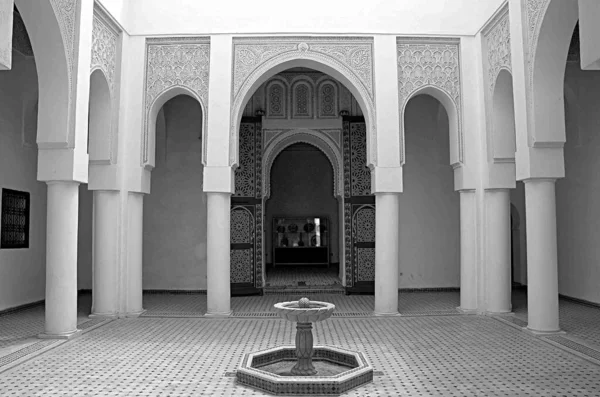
(15, 219)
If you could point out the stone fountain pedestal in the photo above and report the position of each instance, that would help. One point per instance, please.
(304, 369)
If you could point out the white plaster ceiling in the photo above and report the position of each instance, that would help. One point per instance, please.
(398, 17)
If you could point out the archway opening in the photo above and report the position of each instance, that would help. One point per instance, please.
(174, 214)
(577, 194)
(304, 215)
(432, 217)
(23, 233)
(298, 105)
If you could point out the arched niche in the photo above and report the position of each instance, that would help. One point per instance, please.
(54, 73)
(304, 59)
(503, 119)
(155, 107)
(451, 111)
(314, 138)
(547, 72)
(100, 119)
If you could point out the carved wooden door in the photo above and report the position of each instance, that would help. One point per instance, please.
(359, 210)
(247, 212)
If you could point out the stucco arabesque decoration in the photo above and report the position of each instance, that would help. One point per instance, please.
(351, 56)
(66, 15)
(315, 138)
(429, 62)
(176, 62)
(104, 47)
(497, 39)
(535, 11)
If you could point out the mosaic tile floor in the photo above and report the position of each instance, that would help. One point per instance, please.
(417, 354)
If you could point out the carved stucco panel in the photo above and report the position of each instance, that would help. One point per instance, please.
(66, 15)
(252, 57)
(535, 11)
(104, 48)
(176, 62)
(497, 39)
(430, 62)
(6, 32)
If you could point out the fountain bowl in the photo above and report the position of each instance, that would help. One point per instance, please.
(295, 312)
(268, 370)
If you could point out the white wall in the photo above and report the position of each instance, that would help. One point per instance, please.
(578, 194)
(429, 206)
(22, 271)
(458, 17)
(175, 211)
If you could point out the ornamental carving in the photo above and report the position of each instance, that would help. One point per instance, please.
(104, 47)
(258, 250)
(6, 33)
(253, 57)
(365, 225)
(365, 264)
(302, 102)
(241, 266)
(535, 11)
(66, 15)
(244, 173)
(434, 62)
(258, 152)
(497, 39)
(176, 62)
(241, 226)
(276, 98)
(312, 137)
(327, 100)
(348, 244)
(361, 174)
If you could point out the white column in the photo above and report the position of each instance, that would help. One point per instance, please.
(218, 253)
(542, 265)
(105, 254)
(135, 223)
(468, 251)
(61, 260)
(386, 253)
(499, 284)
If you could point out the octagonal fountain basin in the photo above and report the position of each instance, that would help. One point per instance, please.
(338, 371)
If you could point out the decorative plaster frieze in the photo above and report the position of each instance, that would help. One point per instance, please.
(253, 57)
(6, 33)
(315, 138)
(105, 35)
(429, 62)
(66, 15)
(176, 62)
(535, 11)
(497, 39)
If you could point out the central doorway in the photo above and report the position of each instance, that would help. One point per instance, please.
(302, 221)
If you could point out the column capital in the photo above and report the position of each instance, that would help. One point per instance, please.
(219, 179)
(386, 180)
(65, 164)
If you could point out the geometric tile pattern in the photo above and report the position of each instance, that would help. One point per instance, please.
(290, 276)
(419, 356)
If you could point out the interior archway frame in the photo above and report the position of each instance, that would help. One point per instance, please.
(431, 65)
(315, 138)
(347, 59)
(167, 69)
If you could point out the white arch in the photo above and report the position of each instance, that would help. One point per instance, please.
(311, 137)
(313, 60)
(54, 74)
(453, 121)
(149, 147)
(551, 41)
(503, 143)
(100, 131)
